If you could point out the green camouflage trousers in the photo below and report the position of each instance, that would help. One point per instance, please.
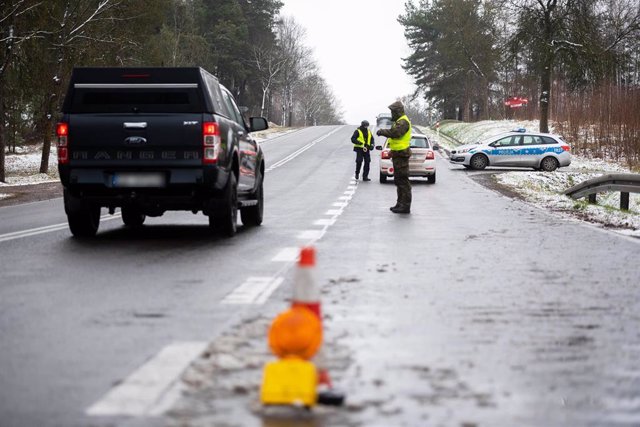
(400, 161)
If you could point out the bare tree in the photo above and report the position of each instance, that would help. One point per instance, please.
(14, 17)
(71, 27)
(269, 64)
(297, 59)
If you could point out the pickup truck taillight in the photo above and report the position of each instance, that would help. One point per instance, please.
(430, 155)
(62, 129)
(210, 142)
(385, 154)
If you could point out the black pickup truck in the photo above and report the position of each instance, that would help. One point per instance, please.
(149, 140)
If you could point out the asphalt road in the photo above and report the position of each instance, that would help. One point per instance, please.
(476, 309)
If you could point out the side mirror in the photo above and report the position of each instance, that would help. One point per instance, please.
(378, 147)
(257, 123)
(436, 147)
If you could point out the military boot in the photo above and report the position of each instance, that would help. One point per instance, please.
(401, 210)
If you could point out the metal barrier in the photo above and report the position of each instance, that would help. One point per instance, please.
(625, 183)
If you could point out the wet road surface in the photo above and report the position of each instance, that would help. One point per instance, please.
(476, 309)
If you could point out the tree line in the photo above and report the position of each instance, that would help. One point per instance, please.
(576, 61)
(256, 53)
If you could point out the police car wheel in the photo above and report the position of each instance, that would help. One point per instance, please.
(549, 164)
(479, 161)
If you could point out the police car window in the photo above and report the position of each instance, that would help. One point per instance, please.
(548, 140)
(532, 140)
(507, 142)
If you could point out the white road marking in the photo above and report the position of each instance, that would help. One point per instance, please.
(340, 204)
(326, 221)
(46, 229)
(336, 212)
(312, 234)
(301, 150)
(146, 387)
(289, 254)
(255, 290)
(344, 198)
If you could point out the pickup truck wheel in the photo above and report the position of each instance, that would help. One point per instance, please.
(252, 215)
(84, 222)
(132, 217)
(225, 222)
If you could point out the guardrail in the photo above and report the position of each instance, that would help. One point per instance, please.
(625, 183)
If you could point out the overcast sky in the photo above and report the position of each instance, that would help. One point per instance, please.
(359, 46)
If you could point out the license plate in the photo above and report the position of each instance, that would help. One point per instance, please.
(136, 179)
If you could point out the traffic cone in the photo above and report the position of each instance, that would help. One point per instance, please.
(306, 293)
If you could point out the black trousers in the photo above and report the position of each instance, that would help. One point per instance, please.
(361, 156)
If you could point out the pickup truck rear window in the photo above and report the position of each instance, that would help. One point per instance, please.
(136, 100)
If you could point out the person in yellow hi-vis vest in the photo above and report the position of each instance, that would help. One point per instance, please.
(362, 141)
(399, 142)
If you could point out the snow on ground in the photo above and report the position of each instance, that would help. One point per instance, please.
(23, 167)
(545, 189)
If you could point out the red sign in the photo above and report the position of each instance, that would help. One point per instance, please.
(516, 102)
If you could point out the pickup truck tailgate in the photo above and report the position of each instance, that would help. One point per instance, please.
(138, 141)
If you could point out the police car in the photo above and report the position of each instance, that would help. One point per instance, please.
(519, 148)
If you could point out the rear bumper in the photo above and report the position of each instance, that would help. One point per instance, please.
(180, 189)
(426, 168)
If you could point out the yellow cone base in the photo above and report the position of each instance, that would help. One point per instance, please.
(289, 381)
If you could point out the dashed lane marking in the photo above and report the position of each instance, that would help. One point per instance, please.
(145, 391)
(312, 234)
(336, 212)
(325, 221)
(255, 290)
(289, 254)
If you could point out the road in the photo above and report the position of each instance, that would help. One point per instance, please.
(476, 309)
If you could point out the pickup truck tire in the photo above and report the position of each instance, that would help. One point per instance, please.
(225, 221)
(132, 217)
(252, 215)
(83, 217)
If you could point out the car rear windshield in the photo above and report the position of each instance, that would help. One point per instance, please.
(136, 100)
(419, 143)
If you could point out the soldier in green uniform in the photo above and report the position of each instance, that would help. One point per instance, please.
(399, 141)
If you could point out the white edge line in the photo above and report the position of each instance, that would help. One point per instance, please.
(46, 229)
(266, 293)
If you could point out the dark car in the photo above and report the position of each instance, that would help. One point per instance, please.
(149, 140)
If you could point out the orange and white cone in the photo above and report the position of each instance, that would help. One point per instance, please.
(305, 290)
(306, 293)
